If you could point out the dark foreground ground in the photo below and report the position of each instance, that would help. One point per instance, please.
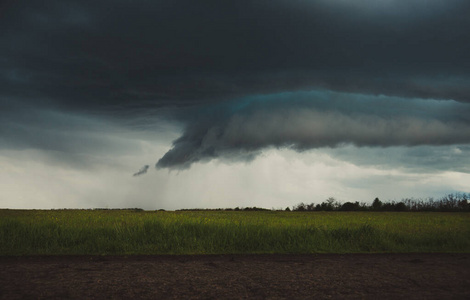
(323, 276)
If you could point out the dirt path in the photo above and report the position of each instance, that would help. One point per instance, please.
(325, 276)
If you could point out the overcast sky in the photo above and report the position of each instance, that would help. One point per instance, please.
(185, 104)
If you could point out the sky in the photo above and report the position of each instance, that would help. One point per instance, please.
(207, 104)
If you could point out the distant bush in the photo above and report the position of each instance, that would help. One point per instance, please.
(349, 206)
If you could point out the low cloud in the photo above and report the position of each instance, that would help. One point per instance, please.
(419, 159)
(303, 121)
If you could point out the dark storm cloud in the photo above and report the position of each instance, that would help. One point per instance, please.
(306, 120)
(91, 53)
(126, 57)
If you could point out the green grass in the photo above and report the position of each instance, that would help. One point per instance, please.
(215, 232)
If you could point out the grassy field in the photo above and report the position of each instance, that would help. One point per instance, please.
(34, 232)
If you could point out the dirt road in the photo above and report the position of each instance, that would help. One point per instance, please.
(323, 276)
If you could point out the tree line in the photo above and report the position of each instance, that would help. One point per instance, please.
(458, 202)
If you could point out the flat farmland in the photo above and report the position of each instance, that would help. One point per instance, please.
(132, 254)
(135, 232)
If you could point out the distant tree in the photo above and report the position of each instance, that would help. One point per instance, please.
(287, 209)
(330, 203)
(364, 206)
(327, 205)
(300, 207)
(377, 204)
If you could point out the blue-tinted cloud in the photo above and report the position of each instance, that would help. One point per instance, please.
(419, 159)
(307, 120)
